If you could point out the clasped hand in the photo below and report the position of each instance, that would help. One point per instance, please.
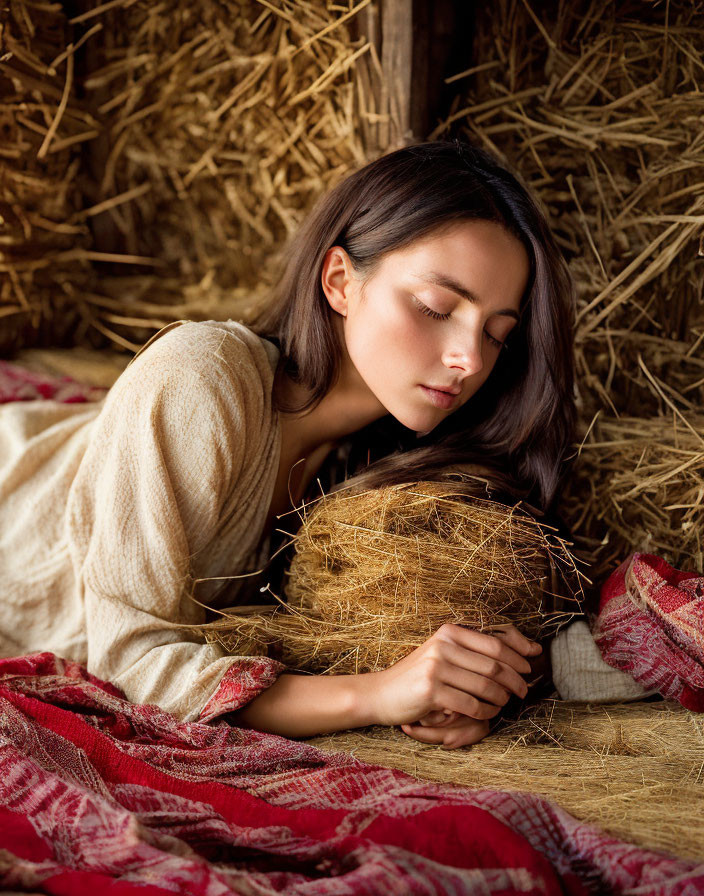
(446, 690)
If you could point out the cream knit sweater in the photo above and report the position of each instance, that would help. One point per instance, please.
(109, 511)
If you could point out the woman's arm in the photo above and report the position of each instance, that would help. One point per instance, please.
(471, 673)
(165, 456)
(305, 705)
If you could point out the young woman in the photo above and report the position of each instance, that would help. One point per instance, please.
(422, 321)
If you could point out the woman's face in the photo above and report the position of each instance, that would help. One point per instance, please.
(431, 320)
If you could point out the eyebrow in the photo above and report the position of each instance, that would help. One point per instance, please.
(449, 283)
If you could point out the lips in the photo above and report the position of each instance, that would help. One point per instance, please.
(439, 397)
(453, 390)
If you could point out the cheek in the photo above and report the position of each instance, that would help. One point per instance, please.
(387, 330)
(407, 332)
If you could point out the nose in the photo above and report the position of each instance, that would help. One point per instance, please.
(464, 355)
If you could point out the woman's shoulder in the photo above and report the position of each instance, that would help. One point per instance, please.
(217, 370)
(205, 346)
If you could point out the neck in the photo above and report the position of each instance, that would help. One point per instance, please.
(347, 407)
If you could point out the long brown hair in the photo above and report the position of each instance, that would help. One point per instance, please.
(519, 424)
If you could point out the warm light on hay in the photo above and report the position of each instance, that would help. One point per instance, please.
(377, 572)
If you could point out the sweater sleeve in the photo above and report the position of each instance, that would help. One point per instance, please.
(580, 674)
(167, 450)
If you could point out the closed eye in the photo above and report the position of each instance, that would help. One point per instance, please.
(429, 311)
(437, 316)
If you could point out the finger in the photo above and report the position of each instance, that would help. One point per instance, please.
(479, 686)
(424, 735)
(437, 718)
(471, 731)
(511, 635)
(466, 704)
(466, 735)
(488, 645)
(440, 719)
(499, 672)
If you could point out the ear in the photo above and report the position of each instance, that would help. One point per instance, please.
(336, 278)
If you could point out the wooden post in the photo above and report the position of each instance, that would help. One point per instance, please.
(419, 43)
(397, 64)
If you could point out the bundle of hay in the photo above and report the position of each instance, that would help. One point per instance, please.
(377, 572)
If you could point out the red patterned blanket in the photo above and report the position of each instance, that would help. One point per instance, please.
(17, 383)
(651, 625)
(100, 795)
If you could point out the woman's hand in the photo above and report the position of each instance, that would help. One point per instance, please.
(452, 730)
(469, 673)
(447, 729)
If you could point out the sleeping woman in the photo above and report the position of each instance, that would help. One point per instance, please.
(421, 323)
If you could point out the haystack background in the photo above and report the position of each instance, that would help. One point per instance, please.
(154, 164)
(599, 106)
(155, 157)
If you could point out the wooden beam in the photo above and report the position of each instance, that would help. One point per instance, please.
(397, 64)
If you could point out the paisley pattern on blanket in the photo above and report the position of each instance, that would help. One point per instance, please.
(97, 791)
(651, 625)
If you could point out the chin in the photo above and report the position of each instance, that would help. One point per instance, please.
(421, 427)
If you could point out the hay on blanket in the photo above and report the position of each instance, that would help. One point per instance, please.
(377, 572)
(635, 770)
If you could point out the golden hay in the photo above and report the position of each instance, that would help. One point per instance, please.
(377, 572)
(599, 106)
(204, 135)
(635, 770)
(639, 485)
(42, 266)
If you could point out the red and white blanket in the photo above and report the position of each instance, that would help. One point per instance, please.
(18, 383)
(651, 625)
(101, 795)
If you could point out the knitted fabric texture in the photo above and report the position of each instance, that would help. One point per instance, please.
(111, 509)
(580, 673)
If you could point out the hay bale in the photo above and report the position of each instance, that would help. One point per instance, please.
(377, 572)
(172, 156)
(639, 485)
(43, 258)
